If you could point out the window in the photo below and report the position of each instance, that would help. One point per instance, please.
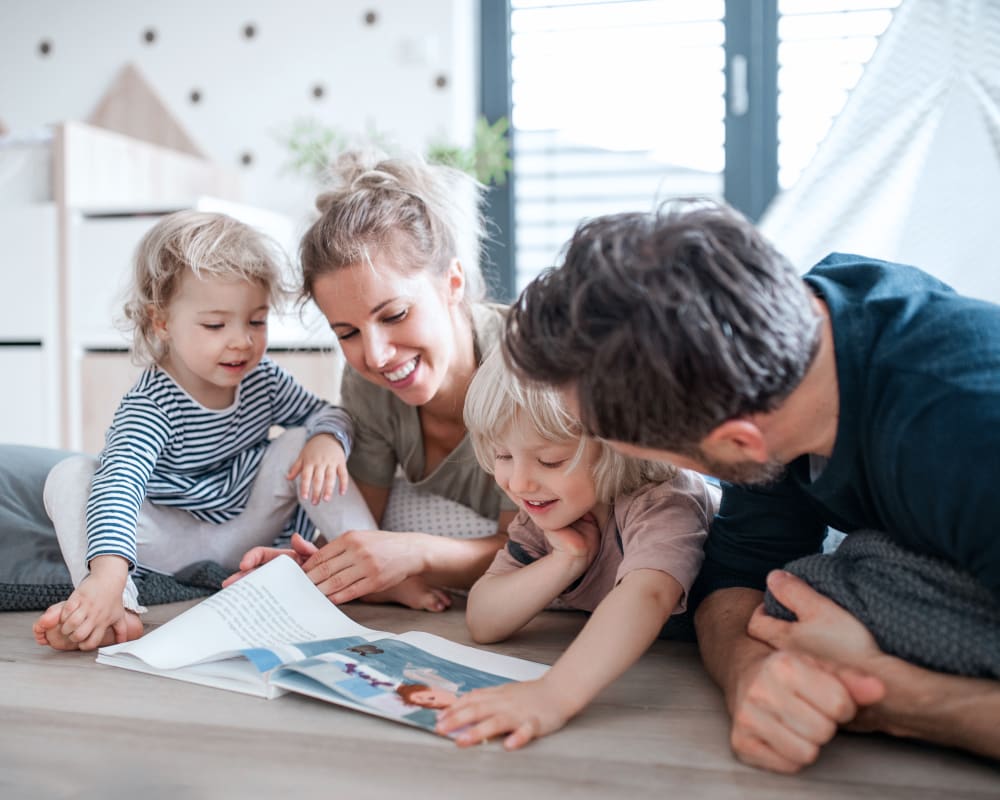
(601, 122)
(823, 46)
(620, 104)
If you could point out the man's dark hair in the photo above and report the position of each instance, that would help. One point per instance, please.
(667, 324)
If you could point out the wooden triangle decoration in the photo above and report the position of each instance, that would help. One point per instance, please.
(132, 107)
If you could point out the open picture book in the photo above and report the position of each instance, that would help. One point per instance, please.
(273, 632)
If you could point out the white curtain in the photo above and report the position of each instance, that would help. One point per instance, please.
(910, 170)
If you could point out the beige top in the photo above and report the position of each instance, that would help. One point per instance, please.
(387, 434)
(661, 526)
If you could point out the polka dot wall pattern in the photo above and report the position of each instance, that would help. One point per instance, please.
(237, 79)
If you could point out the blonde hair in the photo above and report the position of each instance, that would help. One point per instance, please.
(497, 400)
(210, 245)
(424, 215)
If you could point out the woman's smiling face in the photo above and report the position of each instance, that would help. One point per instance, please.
(396, 330)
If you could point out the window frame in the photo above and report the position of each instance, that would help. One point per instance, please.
(750, 176)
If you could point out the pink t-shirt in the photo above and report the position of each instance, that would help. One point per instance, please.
(661, 526)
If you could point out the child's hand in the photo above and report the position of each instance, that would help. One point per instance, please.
(526, 711)
(300, 551)
(581, 540)
(96, 604)
(322, 465)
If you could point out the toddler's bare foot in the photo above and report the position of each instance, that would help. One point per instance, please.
(47, 632)
(413, 593)
(47, 623)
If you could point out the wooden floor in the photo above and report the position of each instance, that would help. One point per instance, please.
(70, 728)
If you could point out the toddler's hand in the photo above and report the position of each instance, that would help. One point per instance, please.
(299, 552)
(580, 540)
(526, 711)
(322, 465)
(95, 606)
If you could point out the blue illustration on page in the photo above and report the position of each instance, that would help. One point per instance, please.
(388, 677)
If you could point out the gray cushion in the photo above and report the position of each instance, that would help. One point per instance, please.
(29, 552)
(33, 575)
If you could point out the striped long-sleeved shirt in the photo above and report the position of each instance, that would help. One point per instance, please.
(165, 446)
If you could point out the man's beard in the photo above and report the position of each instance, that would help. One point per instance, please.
(748, 473)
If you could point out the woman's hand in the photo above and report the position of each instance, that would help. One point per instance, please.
(300, 552)
(357, 564)
(322, 465)
(360, 563)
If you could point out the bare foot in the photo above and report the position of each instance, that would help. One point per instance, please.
(47, 633)
(415, 593)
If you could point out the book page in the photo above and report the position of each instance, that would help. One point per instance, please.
(387, 677)
(517, 669)
(275, 604)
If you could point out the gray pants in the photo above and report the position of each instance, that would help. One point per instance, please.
(169, 539)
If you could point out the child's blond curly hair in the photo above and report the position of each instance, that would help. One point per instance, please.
(210, 245)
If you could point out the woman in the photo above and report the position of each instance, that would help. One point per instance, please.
(392, 262)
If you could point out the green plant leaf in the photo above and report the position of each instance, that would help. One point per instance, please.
(313, 145)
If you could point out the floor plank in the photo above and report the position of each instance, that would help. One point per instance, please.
(74, 729)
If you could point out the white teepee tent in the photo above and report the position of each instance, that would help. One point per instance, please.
(910, 170)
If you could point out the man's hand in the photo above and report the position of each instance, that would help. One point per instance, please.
(791, 702)
(823, 630)
(789, 705)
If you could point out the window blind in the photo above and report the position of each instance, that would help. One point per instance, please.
(620, 104)
(823, 46)
(616, 106)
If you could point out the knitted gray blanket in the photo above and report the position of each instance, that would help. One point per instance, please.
(919, 608)
(198, 580)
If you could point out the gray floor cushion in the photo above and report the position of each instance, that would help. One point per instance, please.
(32, 572)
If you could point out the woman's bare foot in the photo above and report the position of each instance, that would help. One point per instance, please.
(414, 592)
(47, 632)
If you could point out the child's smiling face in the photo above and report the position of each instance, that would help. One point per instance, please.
(545, 478)
(215, 331)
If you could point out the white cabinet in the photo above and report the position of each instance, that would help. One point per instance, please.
(64, 267)
(29, 408)
(27, 272)
(102, 248)
(27, 413)
(63, 352)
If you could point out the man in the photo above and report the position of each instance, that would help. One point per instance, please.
(864, 396)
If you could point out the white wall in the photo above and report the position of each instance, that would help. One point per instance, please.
(384, 75)
(252, 90)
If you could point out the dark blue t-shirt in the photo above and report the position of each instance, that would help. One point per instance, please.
(917, 452)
